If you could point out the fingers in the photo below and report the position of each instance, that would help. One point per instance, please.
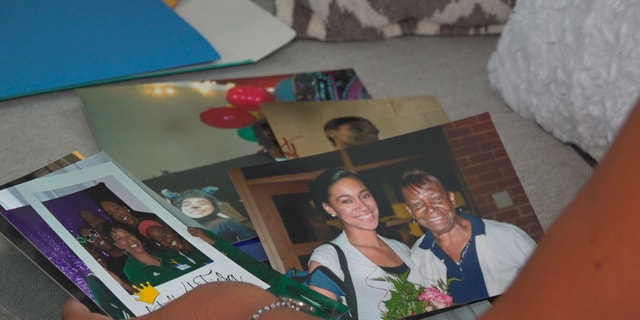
(74, 310)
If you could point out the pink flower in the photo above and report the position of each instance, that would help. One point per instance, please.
(435, 299)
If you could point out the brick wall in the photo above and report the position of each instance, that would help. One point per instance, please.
(487, 170)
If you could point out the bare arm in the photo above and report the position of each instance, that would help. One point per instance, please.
(312, 266)
(200, 234)
(219, 300)
(587, 265)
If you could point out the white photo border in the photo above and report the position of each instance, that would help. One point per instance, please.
(37, 191)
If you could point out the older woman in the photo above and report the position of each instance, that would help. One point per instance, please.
(484, 256)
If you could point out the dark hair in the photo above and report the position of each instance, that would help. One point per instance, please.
(264, 134)
(335, 123)
(109, 226)
(117, 202)
(416, 179)
(83, 215)
(324, 181)
(148, 244)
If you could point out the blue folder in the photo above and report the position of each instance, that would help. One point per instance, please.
(54, 45)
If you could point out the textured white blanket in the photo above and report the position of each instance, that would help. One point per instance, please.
(572, 65)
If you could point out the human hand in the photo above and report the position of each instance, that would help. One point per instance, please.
(75, 310)
(217, 300)
(196, 232)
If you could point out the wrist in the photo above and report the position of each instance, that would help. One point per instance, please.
(283, 303)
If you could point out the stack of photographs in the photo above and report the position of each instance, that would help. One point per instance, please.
(247, 189)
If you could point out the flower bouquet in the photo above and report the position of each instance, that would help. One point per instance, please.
(408, 298)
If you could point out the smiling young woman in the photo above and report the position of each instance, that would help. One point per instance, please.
(369, 256)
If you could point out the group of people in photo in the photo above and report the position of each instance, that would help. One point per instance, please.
(481, 256)
(136, 248)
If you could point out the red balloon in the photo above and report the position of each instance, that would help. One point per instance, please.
(227, 117)
(249, 97)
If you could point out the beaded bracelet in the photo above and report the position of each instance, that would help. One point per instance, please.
(284, 302)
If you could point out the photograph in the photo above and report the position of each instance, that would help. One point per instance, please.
(118, 245)
(206, 195)
(175, 129)
(390, 204)
(176, 126)
(313, 127)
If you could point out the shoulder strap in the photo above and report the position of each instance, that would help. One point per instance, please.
(351, 292)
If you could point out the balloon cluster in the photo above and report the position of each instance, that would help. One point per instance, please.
(243, 110)
(244, 107)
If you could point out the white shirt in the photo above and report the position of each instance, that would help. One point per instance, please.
(502, 251)
(370, 293)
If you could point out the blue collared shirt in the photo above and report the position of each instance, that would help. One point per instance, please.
(470, 285)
